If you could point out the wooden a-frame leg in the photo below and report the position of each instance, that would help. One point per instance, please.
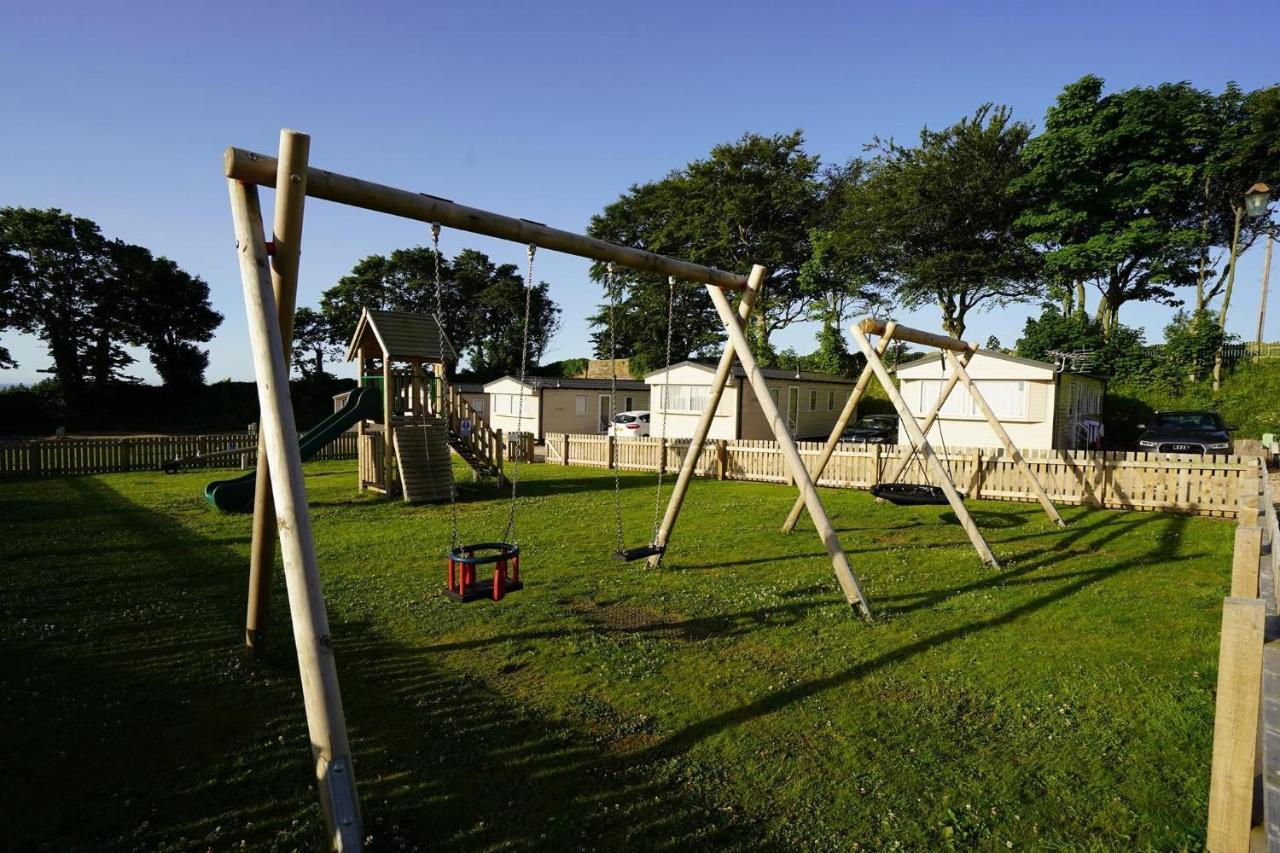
(921, 443)
(755, 282)
(837, 431)
(291, 194)
(839, 561)
(952, 381)
(1003, 435)
(318, 672)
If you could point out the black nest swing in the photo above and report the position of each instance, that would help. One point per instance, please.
(911, 494)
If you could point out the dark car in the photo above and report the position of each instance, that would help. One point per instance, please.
(873, 429)
(1185, 432)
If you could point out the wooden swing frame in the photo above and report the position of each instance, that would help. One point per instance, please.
(269, 274)
(956, 355)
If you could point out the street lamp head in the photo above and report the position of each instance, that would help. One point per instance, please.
(1257, 199)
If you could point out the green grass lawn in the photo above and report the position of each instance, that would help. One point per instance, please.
(730, 700)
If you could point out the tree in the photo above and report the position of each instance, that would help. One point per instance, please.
(482, 304)
(312, 341)
(750, 202)
(499, 317)
(1056, 331)
(938, 218)
(1110, 190)
(1244, 148)
(88, 298)
(172, 315)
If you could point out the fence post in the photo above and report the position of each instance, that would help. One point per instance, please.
(1235, 724)
(722, 459)
(875, 463)
(564, 448)
(610, 456)
(126, 455)
(1244, 561)
(33, 458)
(1247, 502)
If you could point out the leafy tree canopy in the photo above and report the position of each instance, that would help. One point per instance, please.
(1110, 190)
(88, 298)
(481, 305)
(750, 202)
(936, 220)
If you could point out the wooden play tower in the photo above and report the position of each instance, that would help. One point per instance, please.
(406, 452)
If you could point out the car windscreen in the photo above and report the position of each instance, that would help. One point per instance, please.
(877, 423)
(1187, 421)
(624, 419)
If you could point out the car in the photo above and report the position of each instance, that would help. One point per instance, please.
(1185, 432)
(634, 424)
(873, 429)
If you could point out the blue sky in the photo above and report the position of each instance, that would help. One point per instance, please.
(120, 111)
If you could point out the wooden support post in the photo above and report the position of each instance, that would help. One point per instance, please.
(1245, 561)
(795, 464)
(837, 431)
(611, 452)
(662, 456)
(722, 458)
(1003, 435)
(565, 448)
(921, 443)
(388, 406)
(755, 282)
(934, 413)
(1248, 503)
(318, 672)
(291, 195)
(1235, 725)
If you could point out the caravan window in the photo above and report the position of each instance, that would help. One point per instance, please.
(1006, 397)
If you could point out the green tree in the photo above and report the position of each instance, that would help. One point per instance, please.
(312, 342)
(1054, 331)
(1244, 149)
(1192, 342)
(1110, 190)
(938, 218)
(749, 202)
(482, 304)
(88, 298)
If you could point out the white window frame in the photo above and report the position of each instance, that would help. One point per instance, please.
(685, 399)
(580, 405)
(831, 400)
(813, 399)
(960, 404)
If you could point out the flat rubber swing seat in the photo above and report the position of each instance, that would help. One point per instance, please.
(630, 555)
(911, 494)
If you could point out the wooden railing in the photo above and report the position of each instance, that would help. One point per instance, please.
(63, 456)
(1206, 485)
(484, 442)
(1246, 726)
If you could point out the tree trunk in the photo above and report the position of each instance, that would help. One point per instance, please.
(1080, 296)
(1226, 297)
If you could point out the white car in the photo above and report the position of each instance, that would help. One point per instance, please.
(630, 424)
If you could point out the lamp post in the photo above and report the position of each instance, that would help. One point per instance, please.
(1256, 202)
(1256, 199)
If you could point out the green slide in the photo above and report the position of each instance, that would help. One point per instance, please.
(237, 495)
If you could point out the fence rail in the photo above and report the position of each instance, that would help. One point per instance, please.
(1206, 485)
(64, 456)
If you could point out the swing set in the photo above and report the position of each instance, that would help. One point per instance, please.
(939, 487)
(269, 273)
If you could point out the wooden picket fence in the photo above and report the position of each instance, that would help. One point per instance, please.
(1205, 485)
(1246, 726)
(66, 456)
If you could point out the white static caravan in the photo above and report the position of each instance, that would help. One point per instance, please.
(559, 404)
(1040, 406)
(809, 402)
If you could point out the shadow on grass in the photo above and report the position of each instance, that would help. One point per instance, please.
(143, 729)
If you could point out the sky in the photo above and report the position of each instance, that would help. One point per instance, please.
(119, 112)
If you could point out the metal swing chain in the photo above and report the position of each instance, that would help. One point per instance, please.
(510, 534)
(611, 287)
(453, 486)
(662, 433)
